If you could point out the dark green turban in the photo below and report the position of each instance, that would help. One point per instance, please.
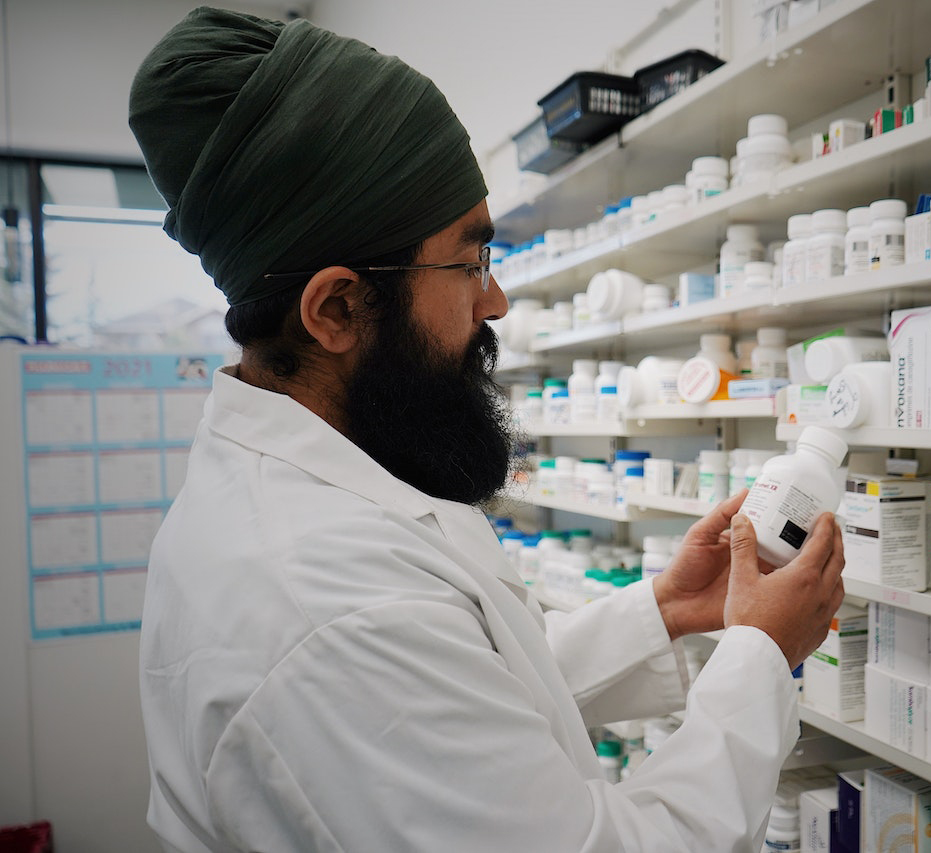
(286, 147)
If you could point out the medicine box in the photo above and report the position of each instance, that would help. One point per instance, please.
(918, 238)
(806, 404)
(695, 287)
(850, 809)
(910, 353)
(885, 531)
(844, 132)
(897, 809)
(900, 641)
(895, 710)
(738, 389)
(834, 671)
(658, 476)
(817, 813)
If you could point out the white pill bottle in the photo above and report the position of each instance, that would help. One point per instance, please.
(792, 491)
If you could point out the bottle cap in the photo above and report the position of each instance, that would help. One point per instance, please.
(858, 217)
(698, 380)
(888, 208)
(710, 166)
(610, 748)
(826, 441)
(585, 365)
(743, 233)
(769, 336)
(767, 123)
(656, 544)
(828, 220)
(798, 226)
(638, 455)
(823, 359)
(554, 383)
(714, 341)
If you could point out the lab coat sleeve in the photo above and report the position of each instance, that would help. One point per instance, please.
(617, 658)
(399, 727)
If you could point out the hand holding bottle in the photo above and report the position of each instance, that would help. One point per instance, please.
(794, 605)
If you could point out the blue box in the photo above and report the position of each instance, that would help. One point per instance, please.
(739, 389)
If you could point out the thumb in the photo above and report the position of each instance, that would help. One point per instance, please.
(744, 563)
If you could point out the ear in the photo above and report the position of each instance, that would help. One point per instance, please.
(327, 306)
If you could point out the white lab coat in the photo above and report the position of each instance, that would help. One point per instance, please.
(334, 661)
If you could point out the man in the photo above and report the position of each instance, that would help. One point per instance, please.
(335, 653)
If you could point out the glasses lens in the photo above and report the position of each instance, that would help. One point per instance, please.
(485, 258)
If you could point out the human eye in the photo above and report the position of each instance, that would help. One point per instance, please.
(473, 270)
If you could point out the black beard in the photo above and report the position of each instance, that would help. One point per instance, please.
(435, 421)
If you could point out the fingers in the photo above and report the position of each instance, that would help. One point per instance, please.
(821, 548)
(717, 521)
(743, 547)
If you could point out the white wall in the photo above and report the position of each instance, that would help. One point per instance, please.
(73, 60)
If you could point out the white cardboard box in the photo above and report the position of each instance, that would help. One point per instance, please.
(834, 671)
(896, 711)
(807, 404)
(897, 809)
(910, 351)
(885, 531)
(900, 641)
(918, 238)
(815, 810)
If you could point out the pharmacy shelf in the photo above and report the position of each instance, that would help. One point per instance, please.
(641, 510)
(918, 602)
(788, 75)
(626, 427)
(764, 407)
(596, 334)
(853, 733)
(521, 363)
(919, 439)
(817, 303)
(688, 237)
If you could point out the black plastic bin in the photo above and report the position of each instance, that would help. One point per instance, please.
(31, 838)
(590, 105)
(663, 79)
(536, 152)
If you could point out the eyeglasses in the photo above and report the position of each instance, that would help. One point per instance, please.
(483, 267)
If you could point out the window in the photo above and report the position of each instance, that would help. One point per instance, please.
(110, 276)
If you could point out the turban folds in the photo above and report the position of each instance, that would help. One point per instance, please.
(285, 147)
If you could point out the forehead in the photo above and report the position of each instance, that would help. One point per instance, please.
(469, 232)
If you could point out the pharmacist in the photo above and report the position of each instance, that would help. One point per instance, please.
(335, 653)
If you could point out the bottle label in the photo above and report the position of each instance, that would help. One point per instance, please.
(782, 508)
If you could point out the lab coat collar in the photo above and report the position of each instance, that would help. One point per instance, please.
(278, 426)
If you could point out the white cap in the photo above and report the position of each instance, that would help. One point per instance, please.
(698, 380)
(767, 123)
(826, 441)
(675, 194)
(888, 208)
(741, 146)
(585, 365)
(610, 366)
(656, 544)
(829, 220)
(655, 291)
(823, 359)
(858, 216)
(798, 225)
(710, 166)
(714, 341)
(743, 233)
(770, 336)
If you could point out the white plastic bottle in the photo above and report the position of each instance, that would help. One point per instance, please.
(857, 241)
(741, 246)
(606, 405)
(826, 357)
(581, 385)
(768, 359)
(859, 395)
(657, 552)
(609, 757)
(714, 476)
(707, 178)
(887, 233)
(705, 376)
(795, 251)
(792, 491)
(825, 257)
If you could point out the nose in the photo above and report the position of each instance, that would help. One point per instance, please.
(492, 305)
